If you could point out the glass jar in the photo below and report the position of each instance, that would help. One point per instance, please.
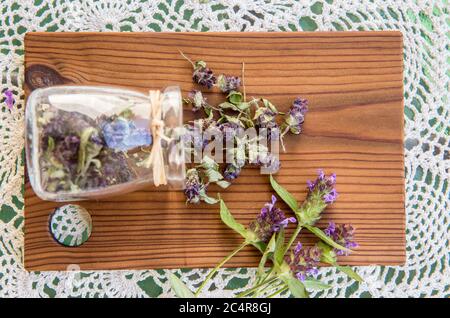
(89, 142)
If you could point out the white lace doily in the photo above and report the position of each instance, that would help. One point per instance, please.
(425, 26)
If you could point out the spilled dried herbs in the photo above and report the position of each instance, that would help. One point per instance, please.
(232, 119)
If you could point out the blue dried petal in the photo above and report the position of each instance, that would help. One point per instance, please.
(122, 134)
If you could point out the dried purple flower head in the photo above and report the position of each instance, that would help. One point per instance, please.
(197, 99)
(228, 83)
(194, 137)
(66, 151)
(270, 220)
(343, 235)
(270, 162)
(194, 186)
(231, 171)
(301, 104)
(9, 98)
(321, 193)
(114, 169)
(230, 130)
(296, 115)
(203, 75)
(303, 261)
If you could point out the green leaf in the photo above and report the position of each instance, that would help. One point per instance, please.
(260, 246)
(269, 105)
(228, 105)
(279, 248)
(50, 144)
(328, 254)
(86, 150)
(315, 284)
(258, 112)
(229, 220)
(350, 273)
(209, 163)
(208, 199)
(208, 111)
(234, 120)
(284, 195)
(199, 64)
(213, 175)
(296, 287)
(243, 106)
(235, 97)
(223, 184)
(179, 287)
(320, 234)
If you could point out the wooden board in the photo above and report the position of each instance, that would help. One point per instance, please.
(354, 82)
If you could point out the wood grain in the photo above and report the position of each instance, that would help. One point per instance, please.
(354, 82)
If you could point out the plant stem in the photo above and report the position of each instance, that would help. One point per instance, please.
(188, 59)
(243, 81)
(255, 288)
(268, 275)
(264, 289)
(278, 292)
(215, 269)
(292, 239)
(261, 280)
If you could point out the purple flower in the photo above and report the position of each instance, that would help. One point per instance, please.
(304, 261)
(269, 162)
(343, 235)
(270, 220)
(204, 76)
(230, 130)
(197, 99)
(296, 116)
(324, 187)
(9, 98)
(321, 193)
(194, 186)
(231, 172)
(301, 104)
(265, 118)
(195, 136)
(228, 83)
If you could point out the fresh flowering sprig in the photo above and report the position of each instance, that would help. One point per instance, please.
(295, 269)
(270, 220)
(292, 269)
(321, 193)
